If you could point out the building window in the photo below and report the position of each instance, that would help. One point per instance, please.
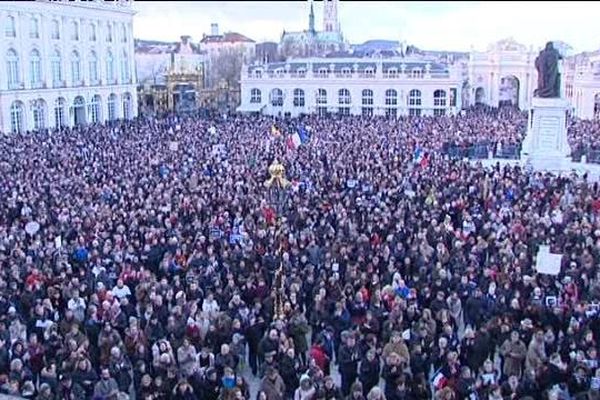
(416, 73)
(109, 35)
(74, 30)
(39, 114)
(391, 97)
(439, 98)
(344, 96)
(344, 111)
(301, 73)
(367, 111)
(369, 72)
(17, 117)
(110, 68)
(10, 30)
(346, 72)
(392, 73)
(112, 110)
(258, 74)
(75, 69)
(391, 112)
(367, 97)
(93, 64)
(255, 96)
(55, 30)
(439, 103)
(92, 33)
(34, 28)
(453, 97)
(12, 69)
(59, 112)
(125, 68)
(277, 97)
(124, 34)
(127, 106)
(322, 111)
(95, 105)
(35, 68)
(279, 72)
(323, 72)
(414, 102)
(298, 98)
(321, 96)
(56, 65)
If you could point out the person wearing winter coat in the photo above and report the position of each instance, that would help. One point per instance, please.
(536, 352)
(349, 358)
(307, 390)
(273, 385)
(396, 345)
(514, 352)
(187, 358)
(369, 370)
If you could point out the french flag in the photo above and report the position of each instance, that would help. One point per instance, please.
(294, 141)
(439, 381)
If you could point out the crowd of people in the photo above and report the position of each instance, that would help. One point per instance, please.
(138, 261)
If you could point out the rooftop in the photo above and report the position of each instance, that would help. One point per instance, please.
(227, 37)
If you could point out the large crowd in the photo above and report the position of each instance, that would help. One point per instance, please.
(139, 260)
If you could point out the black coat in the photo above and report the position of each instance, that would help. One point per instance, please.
(369, 372)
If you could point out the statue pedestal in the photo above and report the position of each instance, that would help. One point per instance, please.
(546, 146)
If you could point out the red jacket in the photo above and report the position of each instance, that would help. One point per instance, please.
(318, 354)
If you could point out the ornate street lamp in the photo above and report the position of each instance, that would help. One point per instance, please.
(277, 186)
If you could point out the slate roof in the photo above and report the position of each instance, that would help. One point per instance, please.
(227, 37)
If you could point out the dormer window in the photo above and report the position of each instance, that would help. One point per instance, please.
(258, 73)
(301, 72)
(323, 72)
(369, 72)
(393, 72)
(346, 71)
(279, 72)
(416, 73)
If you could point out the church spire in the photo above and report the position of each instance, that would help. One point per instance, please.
(311, 18)
(330, 16)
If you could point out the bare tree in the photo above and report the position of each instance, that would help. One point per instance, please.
(226, 65)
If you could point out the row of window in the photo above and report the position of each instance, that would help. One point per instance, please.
(345, 72)
(82, 114)
(13, 69)
(344, 97)
(10, 30)
(369, 111)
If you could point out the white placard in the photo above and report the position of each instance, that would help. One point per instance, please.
(546, 262)
(174, 146)
(177, 127)
(58, 242)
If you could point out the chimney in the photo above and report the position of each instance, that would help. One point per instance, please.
(214, 29)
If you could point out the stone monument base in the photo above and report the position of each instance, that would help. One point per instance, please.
(546, 145)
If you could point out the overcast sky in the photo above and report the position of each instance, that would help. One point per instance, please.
(428, 25)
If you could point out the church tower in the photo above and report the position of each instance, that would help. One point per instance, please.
(330, 16)
(311, 18)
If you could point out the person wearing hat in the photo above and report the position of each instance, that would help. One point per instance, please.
(306, 390)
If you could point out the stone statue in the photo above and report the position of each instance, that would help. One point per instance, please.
(546, 64)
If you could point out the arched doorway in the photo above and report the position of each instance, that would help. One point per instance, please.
(479, 95)
(597, 105)
(509, 91)
(79, 111)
